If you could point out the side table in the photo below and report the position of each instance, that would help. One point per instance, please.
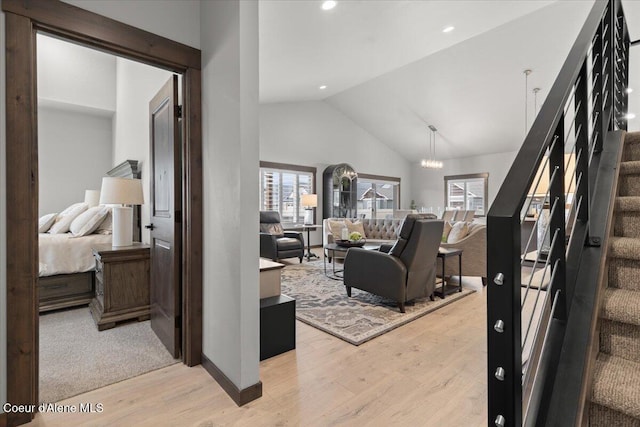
(307, 228)
(446, 288)
(122, 284)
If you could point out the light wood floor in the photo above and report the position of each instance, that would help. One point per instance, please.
(430, 372)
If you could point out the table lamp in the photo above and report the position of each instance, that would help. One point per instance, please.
(122, 191)
(92, 197)
(308, 202)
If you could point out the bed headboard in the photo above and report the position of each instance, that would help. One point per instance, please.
(130, 169)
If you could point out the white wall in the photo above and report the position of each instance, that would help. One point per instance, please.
(316, 134)
(76, 75)
(136, 85)
(74, 152)
(3, 225)
(428, 184)
(229, 39)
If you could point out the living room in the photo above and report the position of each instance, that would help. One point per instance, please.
(379, 124)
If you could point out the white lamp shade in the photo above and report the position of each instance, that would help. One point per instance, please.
(123, 191)
(309, 200)
(92, 197)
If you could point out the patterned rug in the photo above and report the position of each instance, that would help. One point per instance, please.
(323, 303)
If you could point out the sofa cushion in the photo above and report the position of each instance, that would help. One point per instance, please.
(287, 243)
(459, 231)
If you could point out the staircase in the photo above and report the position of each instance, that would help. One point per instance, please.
(615, 398)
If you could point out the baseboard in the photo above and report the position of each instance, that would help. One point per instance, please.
(241, 397)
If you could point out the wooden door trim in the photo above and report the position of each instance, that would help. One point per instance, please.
(23, 18)
(105, 33)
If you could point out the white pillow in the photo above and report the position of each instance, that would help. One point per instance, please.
(88, 221)
(45, 222)
(66, 217)
(459, 231)
(106, 226)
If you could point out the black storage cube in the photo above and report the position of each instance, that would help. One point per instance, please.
(277, 325)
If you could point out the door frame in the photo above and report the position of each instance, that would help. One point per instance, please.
(23, 19)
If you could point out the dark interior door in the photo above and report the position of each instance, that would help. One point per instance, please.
(166, 215)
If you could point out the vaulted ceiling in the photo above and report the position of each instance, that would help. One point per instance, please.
(390, 68)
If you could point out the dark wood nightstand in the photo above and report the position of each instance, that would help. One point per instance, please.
(122, 284)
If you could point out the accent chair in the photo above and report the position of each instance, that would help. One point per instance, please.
(407, 272)
(275, 243)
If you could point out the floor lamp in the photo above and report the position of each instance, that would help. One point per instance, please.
(123, 192)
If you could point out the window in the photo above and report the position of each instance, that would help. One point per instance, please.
(467, 192)
(378, 196)
(282, 185)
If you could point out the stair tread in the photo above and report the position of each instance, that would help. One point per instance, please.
(621, 305)
(627, 204)
(632, 138)
(625, 247)
(615, 384)
(630, 168)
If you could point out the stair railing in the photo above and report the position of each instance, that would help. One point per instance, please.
(539, 222)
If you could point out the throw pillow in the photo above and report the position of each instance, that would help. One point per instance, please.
(356, 226)
(335, 227)
(274, 228)
(88, 221)
(459, 231)
(46, 221)
(66, 217)
(445, 231)
(106, 226)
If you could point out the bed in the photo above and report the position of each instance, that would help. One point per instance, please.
(66, 269)
(66, 263)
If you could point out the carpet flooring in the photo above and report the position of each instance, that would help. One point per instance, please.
(323, 303)
(75, 357)
(615, 394)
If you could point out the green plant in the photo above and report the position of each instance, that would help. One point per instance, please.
(355, 236)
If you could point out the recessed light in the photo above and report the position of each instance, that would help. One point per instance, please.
(629, 90)
(448, 29)
(329, 4)
(323, 87)
(630, 116)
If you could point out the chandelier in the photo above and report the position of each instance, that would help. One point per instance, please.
(431, 162)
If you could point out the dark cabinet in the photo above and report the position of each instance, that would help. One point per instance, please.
(340, 192)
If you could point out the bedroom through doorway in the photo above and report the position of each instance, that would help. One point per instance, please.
(94, 300)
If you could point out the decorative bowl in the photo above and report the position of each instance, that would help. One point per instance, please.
(351, 244)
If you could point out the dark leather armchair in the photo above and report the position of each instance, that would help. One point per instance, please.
(275, 243)
(407, 272)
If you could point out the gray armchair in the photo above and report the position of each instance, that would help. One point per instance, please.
(407, 272)
(275, 243)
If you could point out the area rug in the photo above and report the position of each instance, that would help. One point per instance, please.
(75, 357)
(323, 303)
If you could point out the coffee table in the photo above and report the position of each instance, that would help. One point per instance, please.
(333, 248)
